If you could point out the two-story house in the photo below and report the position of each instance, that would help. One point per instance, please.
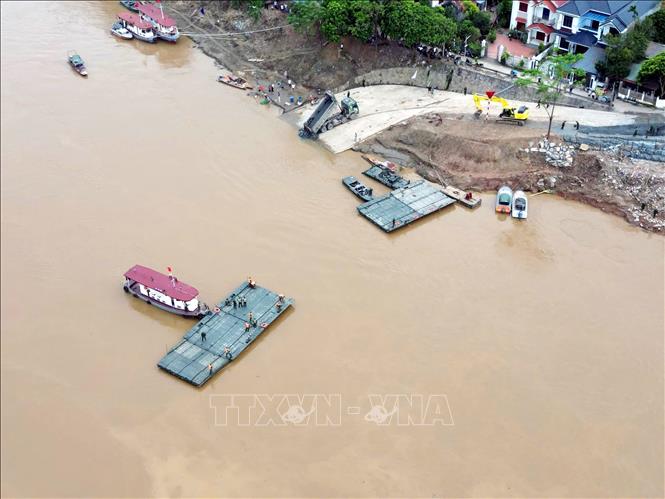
(577, 25)
(537, 18)
(583, 24)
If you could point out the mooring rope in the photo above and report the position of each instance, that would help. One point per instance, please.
(234, 33)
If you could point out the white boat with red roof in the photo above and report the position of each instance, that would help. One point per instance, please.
(164, 291)
(163, 25)
(139, 28)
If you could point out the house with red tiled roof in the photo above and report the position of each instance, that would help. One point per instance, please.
(537, 18)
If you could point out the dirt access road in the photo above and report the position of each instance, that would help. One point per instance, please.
(383, 106)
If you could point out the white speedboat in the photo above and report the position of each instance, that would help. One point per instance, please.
(121, 32)
(519, 205)
(504, 199)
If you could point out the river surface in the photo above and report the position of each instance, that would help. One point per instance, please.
(539, 344)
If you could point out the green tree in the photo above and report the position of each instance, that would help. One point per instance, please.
(653, 69)
(658, 23)
(623, 50)
(366, 18)
(305, 16)
(470, 7)
(254, 8)
(467, 29)
(550, 91)
(482, 21)
(503, 12)
(335, 21)
(417, 23)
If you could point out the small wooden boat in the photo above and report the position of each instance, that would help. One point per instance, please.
(163, 291)
(464, 197)
(118, 30)
(360, 190)
(520, 204)
(376, 161)
(140, 29)
(384, 172)
(504, 199)
(234, 81)
(77, 63)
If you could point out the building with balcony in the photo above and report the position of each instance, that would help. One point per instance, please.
(583, 24)
(537, 18)
(577, 25)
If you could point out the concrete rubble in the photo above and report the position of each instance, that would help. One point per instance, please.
(560, 155)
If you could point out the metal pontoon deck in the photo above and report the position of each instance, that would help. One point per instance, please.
(403, 206)
(224, 334)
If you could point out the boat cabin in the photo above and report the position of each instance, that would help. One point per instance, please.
(164, 26)
(162, 288)
(137, 26)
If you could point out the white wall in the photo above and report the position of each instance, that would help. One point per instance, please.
(515, 13)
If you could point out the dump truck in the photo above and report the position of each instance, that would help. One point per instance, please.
(329, 114)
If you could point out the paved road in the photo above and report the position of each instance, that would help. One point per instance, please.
(382, 106)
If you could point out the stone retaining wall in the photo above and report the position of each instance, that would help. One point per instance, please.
(651, 148)
(455, 78)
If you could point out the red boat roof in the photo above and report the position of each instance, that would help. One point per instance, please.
(135, 20)
(161, 282)
(155, 13)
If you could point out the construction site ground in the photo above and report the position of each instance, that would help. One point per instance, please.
(382, 106)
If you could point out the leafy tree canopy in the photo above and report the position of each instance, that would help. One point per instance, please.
(653, 69)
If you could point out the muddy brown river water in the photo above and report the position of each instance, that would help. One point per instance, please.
(536, 348)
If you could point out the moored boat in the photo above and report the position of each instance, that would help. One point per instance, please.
(464, 197)
(520, 204)
(164, 291)
(77, 63)
(359, 189)
(504, 199)
(139, 28)
(234, 81)
(384, 172)
(130, 4)
(163, 26)
(118, 30)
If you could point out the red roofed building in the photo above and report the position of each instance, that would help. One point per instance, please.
(535, 17)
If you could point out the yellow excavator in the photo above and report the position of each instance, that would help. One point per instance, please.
(509, 114)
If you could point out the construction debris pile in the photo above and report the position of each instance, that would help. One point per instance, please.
(644, 182)
(559, 155)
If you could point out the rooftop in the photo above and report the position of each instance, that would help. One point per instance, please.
(156, 280)
(591, 57)
(155, 13)
(135, 20)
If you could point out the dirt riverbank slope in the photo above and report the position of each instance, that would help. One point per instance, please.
(450, 148)
(481, 156)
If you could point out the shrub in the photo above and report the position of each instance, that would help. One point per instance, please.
(491, 36)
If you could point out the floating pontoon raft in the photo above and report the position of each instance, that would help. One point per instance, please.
(403, 206)
(225, 334)
(386, 176)
(460, 195)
